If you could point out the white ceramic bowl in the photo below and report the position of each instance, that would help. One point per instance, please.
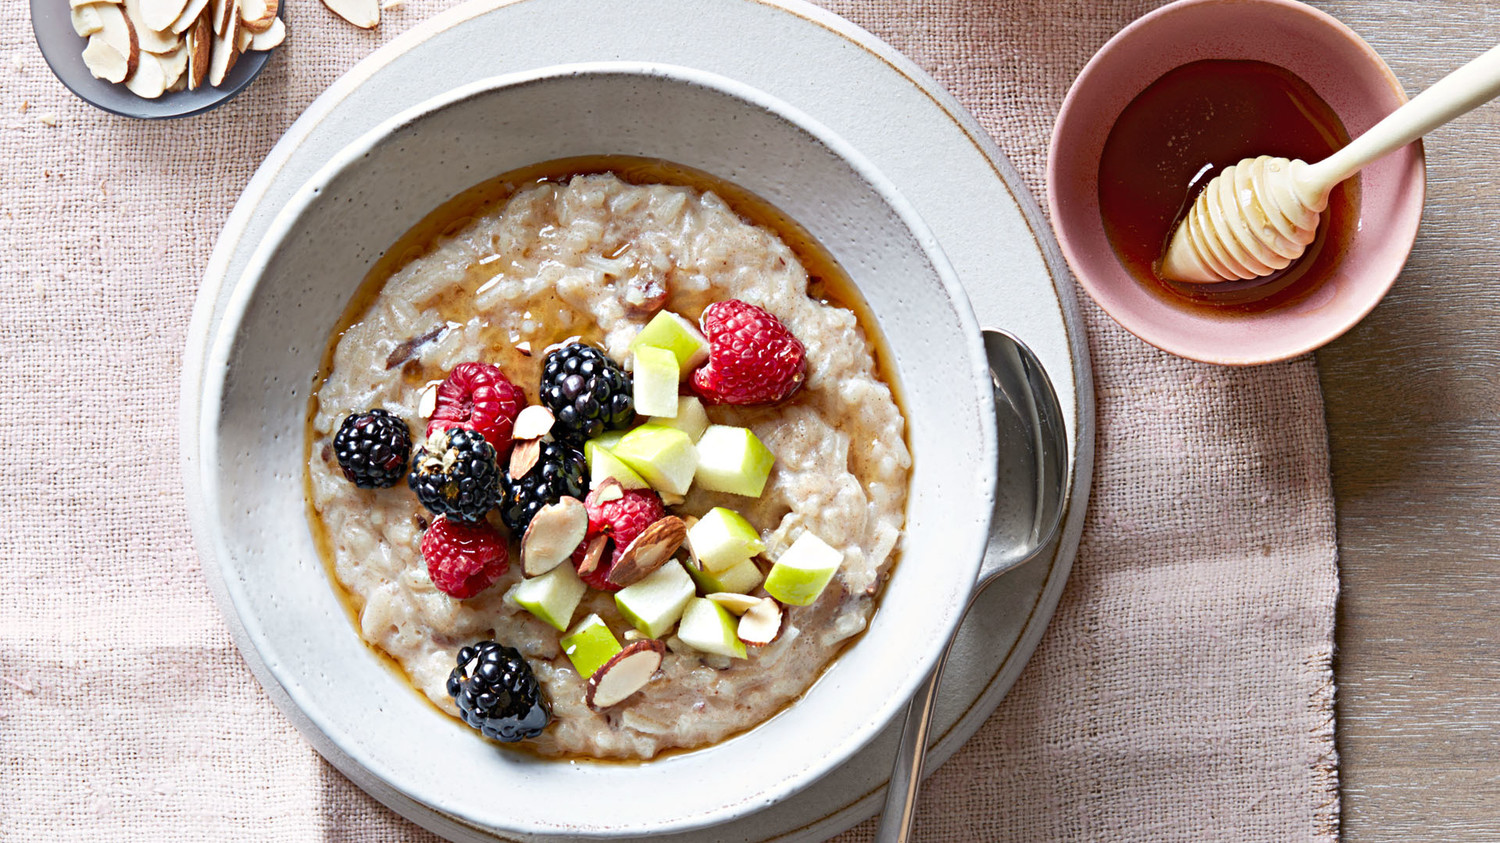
(365, 718)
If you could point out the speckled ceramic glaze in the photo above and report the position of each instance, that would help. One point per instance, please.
(297, 284)
(1344, 71)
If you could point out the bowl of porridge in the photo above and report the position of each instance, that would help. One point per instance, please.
(599, 451)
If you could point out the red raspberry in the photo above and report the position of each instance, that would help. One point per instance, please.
(478, 397)
(752, 357)
(464, 559)
(621, 519)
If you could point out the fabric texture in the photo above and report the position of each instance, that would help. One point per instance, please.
(1183, 690)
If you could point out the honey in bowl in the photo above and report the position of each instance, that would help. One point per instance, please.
(1185, 128)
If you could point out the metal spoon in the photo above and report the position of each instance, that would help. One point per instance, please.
(1029, 500)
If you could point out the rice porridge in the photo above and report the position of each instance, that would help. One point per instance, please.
(593, 258)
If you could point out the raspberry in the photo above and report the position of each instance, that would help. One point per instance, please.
(622, 519)
(752, 357)
(478, 397)
(464, 559)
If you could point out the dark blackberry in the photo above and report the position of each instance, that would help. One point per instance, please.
(586, 392)
(559, 473)
(454, 473)
(497, 693)
(372, 449)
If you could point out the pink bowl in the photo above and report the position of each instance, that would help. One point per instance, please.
(1341, 68)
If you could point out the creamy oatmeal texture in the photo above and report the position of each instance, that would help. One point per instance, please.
(596, 257)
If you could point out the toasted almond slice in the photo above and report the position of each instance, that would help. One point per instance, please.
(189, 16)
(242, 37)
(199, 43)
(524, 348)
(650, 550)
(428, 403)
(174, 64)
(593, 554)
(159, 15)
(270, 40)
(151, 40)
(669, 499)
(761, 623)
(179, 85)
(120, 34)
(739, 604)
(86, 21)
(609, 493)
(73, 4)
(219, 14)
(624, 674)
(225, 52)
(149, 80)
(533, 422)
(364, 14)
(553, 534)
(524, 457)
(258, 15)
(104, 61)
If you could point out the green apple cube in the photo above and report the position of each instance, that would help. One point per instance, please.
(589, 645)
(803, 571)
(604, 465)
(733, 460)
(609, 439)
(691, 418)
(740, 579)
(655, 381)
(722, 538)
(656, 602)
(665, 456)
(709, 627)
(671, 332)
(552, 596)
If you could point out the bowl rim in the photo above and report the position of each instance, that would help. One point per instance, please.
(223, 343)
(1370, 293)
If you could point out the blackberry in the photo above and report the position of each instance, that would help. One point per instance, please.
(559, 473)
(454, 473)
(497, 693)
(586, 392)
(372, 449)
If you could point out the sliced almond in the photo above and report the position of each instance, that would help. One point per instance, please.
(428, 403)
(761, 623)
(199, 43)
(270, 39)
(523, 347)
(633, 634)
(159, 15)
(669, 499)
(553, 534)
(623, 675)
(86, 21)
(189, 16)
(151, 39)
(149, 80)
(225, 53)
(258, 15)
(738, 604)
(104, 61)
(593, 554)
(524, 457)
(650, 550)
(219, 14)
(179, 85)
(242, 37)
(607, 493)
(174, 64)
(364, 14)
(534, 422)
(119, 34)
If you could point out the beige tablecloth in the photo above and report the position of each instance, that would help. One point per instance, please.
(1183, 690)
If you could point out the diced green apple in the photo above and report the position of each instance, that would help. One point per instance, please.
(732, 459)
(709, 627)
(740, 579)
(609, 439)
(604, 465)
(803, 571)
(655, 381)
(722, 538)
(656, 602)
(552, 596)
(669, 331)
(589, 645)
(691, 418)
(664, 456)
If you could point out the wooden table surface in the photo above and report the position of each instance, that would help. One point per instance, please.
(1412, 398)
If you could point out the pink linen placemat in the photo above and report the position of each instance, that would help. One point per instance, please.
(1183, 690)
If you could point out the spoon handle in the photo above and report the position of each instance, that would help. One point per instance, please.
(906, 776)
(1461, 91)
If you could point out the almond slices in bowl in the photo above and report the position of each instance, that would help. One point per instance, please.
(160, 46)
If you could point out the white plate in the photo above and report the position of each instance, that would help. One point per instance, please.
(888, 109)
